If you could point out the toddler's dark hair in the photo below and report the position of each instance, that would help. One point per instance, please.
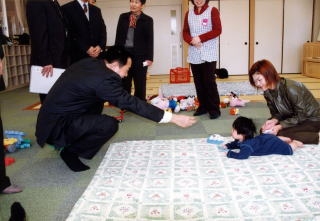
(245, 127)
(143, 2)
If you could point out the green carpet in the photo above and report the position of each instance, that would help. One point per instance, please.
(50, 188)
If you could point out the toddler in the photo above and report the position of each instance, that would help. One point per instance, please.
(264, 144)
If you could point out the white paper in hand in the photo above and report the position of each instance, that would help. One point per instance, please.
(41, 84)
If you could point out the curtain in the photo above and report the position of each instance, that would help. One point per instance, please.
(20, 9)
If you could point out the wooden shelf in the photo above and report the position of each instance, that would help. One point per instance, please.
(17, 65)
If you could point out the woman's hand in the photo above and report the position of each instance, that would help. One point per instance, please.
(147, 63)
(196, 41)
(269, 124)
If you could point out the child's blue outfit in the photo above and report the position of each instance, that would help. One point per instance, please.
(260, 145)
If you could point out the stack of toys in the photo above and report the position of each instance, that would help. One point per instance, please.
(175, 104)
(14, 140)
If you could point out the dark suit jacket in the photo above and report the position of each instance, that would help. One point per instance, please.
(48, 34)
(84, 33)
(77, 91)
(143, 35)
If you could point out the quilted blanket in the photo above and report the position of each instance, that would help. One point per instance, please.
(190, 179)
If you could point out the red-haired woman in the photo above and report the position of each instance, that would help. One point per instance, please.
(201, 29)
(295, 112)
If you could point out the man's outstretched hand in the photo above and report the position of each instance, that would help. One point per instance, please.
(183, 120)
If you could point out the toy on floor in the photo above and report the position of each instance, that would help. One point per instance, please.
(174, 104)
(215, 139)
(8, 161)
(234, 111)
(10, 144)
(225, 103)
(18, 135)
(235, 101)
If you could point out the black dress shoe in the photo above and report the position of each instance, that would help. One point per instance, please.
(199, 112)
(214, 116)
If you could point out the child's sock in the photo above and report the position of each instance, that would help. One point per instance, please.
(73, 162)
(17, 212)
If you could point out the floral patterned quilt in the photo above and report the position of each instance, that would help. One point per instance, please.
(190, 179)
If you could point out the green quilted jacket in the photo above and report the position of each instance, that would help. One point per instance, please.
(292, 103)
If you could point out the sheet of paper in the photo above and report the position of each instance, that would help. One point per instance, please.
(42, 84)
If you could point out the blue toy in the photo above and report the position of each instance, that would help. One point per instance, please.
(21, 142)
(215, 139)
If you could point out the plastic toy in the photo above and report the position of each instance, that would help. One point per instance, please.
(15, 134)
(8, 161)
(21, 143)
(10, 144)
(215, 139)
(234, 111)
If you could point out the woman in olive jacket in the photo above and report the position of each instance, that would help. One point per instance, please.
(295, 113)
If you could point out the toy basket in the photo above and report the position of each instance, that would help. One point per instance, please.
(179, 75)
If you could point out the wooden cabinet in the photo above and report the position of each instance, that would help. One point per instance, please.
(17, 65)
(311, 59)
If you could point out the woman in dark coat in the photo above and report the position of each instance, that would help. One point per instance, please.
(135, 33)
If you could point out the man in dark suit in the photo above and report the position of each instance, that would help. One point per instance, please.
(71, 118)
(135, 32)
(48, 36)
(88, 33)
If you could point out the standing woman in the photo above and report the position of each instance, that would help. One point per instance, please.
(295, 113)
(201, 29)
(135, 33)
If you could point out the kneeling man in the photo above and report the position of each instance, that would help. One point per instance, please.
(71, 115)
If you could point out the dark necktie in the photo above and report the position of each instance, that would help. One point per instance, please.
(85, 8)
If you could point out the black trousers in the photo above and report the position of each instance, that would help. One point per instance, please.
(138, 74)
(306, 132)
(87, 133)
(4, 180)
(206, 86)
(42, 97)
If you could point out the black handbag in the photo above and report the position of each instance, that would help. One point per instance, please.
(2, 84)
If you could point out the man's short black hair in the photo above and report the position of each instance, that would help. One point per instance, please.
(245, 127)
(116, 53)
(143, 2)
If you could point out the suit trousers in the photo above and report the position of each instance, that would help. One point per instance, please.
(307, 132)
(87, 133)
(4, 180)
(206, 86)
(138, 74)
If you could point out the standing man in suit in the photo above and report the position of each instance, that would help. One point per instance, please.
(69, 117)
(135, 33)
(48, 36)
(87, 30)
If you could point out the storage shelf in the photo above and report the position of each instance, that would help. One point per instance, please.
(17, 65)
